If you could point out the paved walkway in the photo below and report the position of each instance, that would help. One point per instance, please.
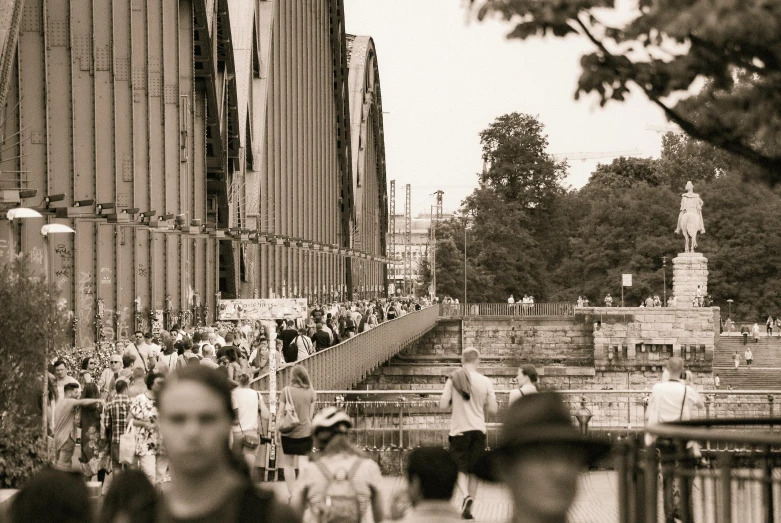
(597, 500)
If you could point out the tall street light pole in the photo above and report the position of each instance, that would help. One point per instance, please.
(664, 277)
(46, 230)
(466, 221)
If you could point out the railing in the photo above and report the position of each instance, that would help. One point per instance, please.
(403, 419)
(460, 310)
(347, 363)
(740, 486)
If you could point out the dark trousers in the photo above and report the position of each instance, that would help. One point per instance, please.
(676, 491)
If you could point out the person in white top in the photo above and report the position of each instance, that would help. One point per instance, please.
(247, 405)
(511, 300)
(469, 394)
(527, 383)
(672, 400)
(154, 348)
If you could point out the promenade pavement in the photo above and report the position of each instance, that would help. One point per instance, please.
(597, 500)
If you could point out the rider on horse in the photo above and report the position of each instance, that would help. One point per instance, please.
(690, 218)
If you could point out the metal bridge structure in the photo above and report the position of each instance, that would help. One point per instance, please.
(201, 149)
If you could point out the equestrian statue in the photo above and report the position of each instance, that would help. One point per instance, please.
(690, 218)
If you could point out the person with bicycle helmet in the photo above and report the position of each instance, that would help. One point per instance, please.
(341, 481)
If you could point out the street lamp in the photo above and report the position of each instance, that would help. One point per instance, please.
(19, 213)
(46, 230)
(664, 277)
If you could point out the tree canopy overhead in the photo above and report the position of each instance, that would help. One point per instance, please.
(664, 49)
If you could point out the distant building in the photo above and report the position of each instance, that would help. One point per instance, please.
(420, 239)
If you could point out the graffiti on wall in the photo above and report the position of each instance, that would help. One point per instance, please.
(85, 299)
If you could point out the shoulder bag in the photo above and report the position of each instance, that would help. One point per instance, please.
(127, 445)
(289, 419)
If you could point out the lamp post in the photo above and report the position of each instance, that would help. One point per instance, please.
(664, 278)
(46, 230)
(19, 213)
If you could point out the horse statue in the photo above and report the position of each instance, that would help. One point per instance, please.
(690, 218)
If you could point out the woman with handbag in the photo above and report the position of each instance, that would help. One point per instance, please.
(247, 405)
(294, 423)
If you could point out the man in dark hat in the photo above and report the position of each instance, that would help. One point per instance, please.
(540, 456)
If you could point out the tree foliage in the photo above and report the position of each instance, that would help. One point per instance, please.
(664, 49)
(621, 221)
(32, 326)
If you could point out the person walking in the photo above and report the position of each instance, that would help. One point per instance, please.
(64, 416)
(143, 413)
(117, 416)
(527, 383)
(749, 357)
(673, 400)
(755, 331)
(297, 443)
(469, 395)
(736, 359)
(769, 325)
(108, 379)
(716, 382)
(338, 461)
(93, 445)
(208, 482)
(744, 333)
(248, 404)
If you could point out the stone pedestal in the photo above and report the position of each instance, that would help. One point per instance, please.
(690, 269)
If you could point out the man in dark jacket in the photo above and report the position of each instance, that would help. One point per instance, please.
(288, 334)
(321, 338)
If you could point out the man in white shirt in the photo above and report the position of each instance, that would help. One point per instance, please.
(511, 300)
(154, 348)
(469, 394)
(672, 400)
(140, 350)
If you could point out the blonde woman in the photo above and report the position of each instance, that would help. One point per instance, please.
(297, 444)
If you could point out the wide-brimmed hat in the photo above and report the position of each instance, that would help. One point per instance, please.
(534, 420)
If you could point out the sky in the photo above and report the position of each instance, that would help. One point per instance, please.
(445, 77)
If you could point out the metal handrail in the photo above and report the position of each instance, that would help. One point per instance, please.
(350, 361)
(696, 431)
(579, 392)
(460, 310)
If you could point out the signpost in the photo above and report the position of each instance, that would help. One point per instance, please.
(626, 281)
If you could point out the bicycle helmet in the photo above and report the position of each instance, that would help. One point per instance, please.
(329, 417)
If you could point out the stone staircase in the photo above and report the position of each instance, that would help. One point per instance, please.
(765, 372)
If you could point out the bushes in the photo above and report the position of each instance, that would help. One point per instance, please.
(33, 330)
(22, 453)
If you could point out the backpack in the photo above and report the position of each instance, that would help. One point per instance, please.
(340, 500)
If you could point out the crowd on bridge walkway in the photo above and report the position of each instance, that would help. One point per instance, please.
(181, 446)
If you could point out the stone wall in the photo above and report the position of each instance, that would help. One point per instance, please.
(541, 340)
(443, 340)
(642, 339)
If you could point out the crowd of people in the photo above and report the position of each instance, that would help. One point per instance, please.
(197, 424)
(202, 424)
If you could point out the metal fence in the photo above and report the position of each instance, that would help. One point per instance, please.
(460, 310)
(673, 479)
(347, 363)
(403, 419)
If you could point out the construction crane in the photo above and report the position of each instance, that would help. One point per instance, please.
(595, 155)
